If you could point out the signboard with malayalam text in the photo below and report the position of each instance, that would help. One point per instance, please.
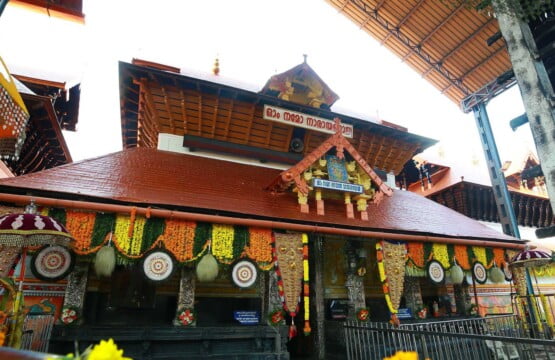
(274, 113)
(336, 185)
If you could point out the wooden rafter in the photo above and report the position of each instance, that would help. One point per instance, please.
(251, 120)
(215, 117)
(403, 20)
(184, 111)
(199, 111)
(229, 116)
(168, 109)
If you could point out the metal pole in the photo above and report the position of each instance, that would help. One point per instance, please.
(501, 194)
(3, 4)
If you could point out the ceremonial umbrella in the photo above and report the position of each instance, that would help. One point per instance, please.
(19, 231)
(531, 258)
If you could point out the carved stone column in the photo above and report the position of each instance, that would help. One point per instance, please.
(319, 302)
(74, 297)
(186, 298)
(274, 302)
(413, 294)
(354, 284)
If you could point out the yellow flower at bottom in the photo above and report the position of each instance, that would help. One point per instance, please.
(106, 350)
(403, 355)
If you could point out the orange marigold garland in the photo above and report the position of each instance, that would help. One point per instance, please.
(499, 256)
(178, 238)
(260, 245)
(416, 253)
(80, 225)
(461, 254)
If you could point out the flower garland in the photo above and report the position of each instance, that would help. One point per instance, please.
(499, 256)
(137, 224)
(80, 225)
(306, 299)
(153, 228)
(203, 232)
(222, 242)
(383, 278)
(121, 234)
(416, 253)
(240, 240)
(480, 255)
(441, 254)
(259, 248)
(178, 237)
(187, 316)
(461, 255)
(103, 225)
(69, 315)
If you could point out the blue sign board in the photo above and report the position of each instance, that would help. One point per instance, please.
(404, 313)
(247, 317)
(336, 185)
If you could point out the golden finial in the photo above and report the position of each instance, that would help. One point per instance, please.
(216, 68)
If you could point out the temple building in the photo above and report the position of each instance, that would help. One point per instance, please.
(248, 222)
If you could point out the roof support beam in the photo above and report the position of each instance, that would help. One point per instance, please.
(403, 20)
(416, 48)
(443, 22)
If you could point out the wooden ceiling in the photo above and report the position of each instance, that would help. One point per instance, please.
(445, 44)
(155, 101)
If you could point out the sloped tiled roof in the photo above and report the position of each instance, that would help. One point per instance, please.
(171, 180)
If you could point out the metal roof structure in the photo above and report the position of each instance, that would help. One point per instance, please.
(456, 49)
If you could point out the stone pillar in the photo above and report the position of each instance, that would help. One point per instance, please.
(186, 298)
(274, 302)
(413, 294)
(76, 287)
(319, 308)
(263, 293)
(354, 283)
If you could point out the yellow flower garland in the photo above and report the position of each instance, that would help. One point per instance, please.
(480, 254)
(121, 233)
(137, 238)
(222, 242)
(441, 254)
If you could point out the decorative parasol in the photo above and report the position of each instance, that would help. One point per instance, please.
(31, 230)
(531, 258)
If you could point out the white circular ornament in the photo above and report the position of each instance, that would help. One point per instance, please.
(244, 274)
(479, 272)
(436, 273)
(158, 265)
(52, 263)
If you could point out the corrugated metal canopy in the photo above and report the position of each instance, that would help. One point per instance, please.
(447, 45)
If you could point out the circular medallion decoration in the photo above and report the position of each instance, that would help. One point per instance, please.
(508, 273)
(158, 265)
(51, 263)
(436, 273)
(244, 274)
(479, 272)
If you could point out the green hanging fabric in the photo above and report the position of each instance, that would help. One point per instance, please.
(203, 232)
(103, 224)
(154, 227)
(240, 240)
(58, 214)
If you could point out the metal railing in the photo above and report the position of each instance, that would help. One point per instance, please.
(476, 339)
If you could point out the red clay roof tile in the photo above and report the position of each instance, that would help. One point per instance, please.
(159, 178)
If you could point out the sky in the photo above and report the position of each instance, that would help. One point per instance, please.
(254, 39)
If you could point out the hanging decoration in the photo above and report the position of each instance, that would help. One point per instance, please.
(158, 265)
(479, 272)
(436, 273)
(462, 256)
(391, 267)
(105, 261)
(207, 268)
(52, 263)
(507, 272)
(416, 253)
(480, 255)
(306, 289)
(13, 116)
(496, 275)
(288, 260)
(8, 257)
(80, 225)
(457, 274)
(178, 238)
(244, 274)
(363, 314)
(222, 242)
(259, 248)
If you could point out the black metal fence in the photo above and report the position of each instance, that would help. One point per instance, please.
(500, 338)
